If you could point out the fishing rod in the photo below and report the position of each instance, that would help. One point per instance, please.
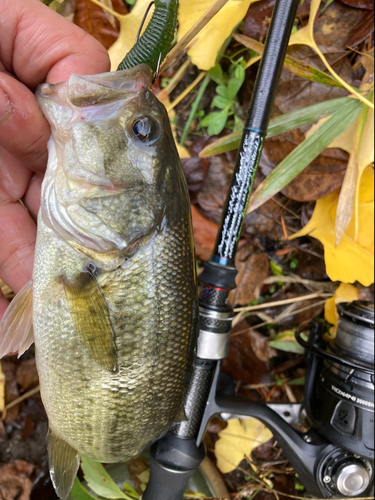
(335, 456)
(177, 455)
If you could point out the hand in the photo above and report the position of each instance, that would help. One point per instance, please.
(36, 45)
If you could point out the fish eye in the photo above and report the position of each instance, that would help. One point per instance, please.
(144, 129)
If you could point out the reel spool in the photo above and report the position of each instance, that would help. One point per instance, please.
(339, 400)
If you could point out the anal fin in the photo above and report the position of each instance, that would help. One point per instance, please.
(16, 326)
(63, 464)
(90, 315)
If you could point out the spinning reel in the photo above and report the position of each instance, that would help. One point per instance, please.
(334, 458)
(339, 401)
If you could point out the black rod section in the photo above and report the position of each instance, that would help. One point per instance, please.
(222, 259)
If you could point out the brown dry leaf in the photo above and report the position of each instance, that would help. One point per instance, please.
(15, 482)
(248, 357)
(321, 178)
(305, 36)
(340, 27)
(204, 234)
(27, 374)
(252, 270)
(360, 4)
(98, 22)
(213, 193)
(195, 170)
(11, 388)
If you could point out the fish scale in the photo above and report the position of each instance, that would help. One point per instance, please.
(145, 308)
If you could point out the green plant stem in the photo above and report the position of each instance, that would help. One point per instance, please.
(194, 108)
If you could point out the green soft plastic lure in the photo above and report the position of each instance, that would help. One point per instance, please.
(156, 41)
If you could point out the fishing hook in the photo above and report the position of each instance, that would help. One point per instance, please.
(143, 21)
(157, 69)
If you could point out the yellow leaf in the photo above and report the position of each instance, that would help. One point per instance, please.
(207, 44)
(182, 151)
(344, 293)
(238, 440)
(129, 26)
(353, 259)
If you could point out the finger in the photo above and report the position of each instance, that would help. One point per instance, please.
(32, 196)
(24, 131)
(14, 178)
(17, 242)
(3, 304)
(38, 44)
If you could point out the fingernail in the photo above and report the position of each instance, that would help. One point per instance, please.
(5, 106)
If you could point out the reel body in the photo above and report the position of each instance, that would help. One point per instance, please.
(339, 400)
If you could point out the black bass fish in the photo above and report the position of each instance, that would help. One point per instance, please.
(113, 300)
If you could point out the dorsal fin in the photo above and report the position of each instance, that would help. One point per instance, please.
(89, 312)
(16, 327)
(63, 464)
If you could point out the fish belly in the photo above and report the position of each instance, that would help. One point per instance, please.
(152, 304)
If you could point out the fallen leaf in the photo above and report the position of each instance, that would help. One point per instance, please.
(252, 270)
(358, 161)
(358, 141)
(129, 27)
(323, 176)
(195, 170)
(310, 266)
(27, 374)
(304, 154)
(98, 22)
(205, 233)
(305, 36)
(344, 293)
(237, 441)
(15, 482)
(340, 27)
(11, 388)
(258, 18)
(209, 41)
(249, 354)
(353, 259)
(360, 4)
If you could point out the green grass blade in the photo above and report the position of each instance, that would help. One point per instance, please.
(305, 153)
(279, 125)
(305, 116)
(194, 108)
(293, 64)
(287, 346)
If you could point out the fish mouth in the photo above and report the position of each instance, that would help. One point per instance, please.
(90, 90)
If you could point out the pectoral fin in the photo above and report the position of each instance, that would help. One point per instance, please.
(63, 464)
(90, 315)
(16, 327)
